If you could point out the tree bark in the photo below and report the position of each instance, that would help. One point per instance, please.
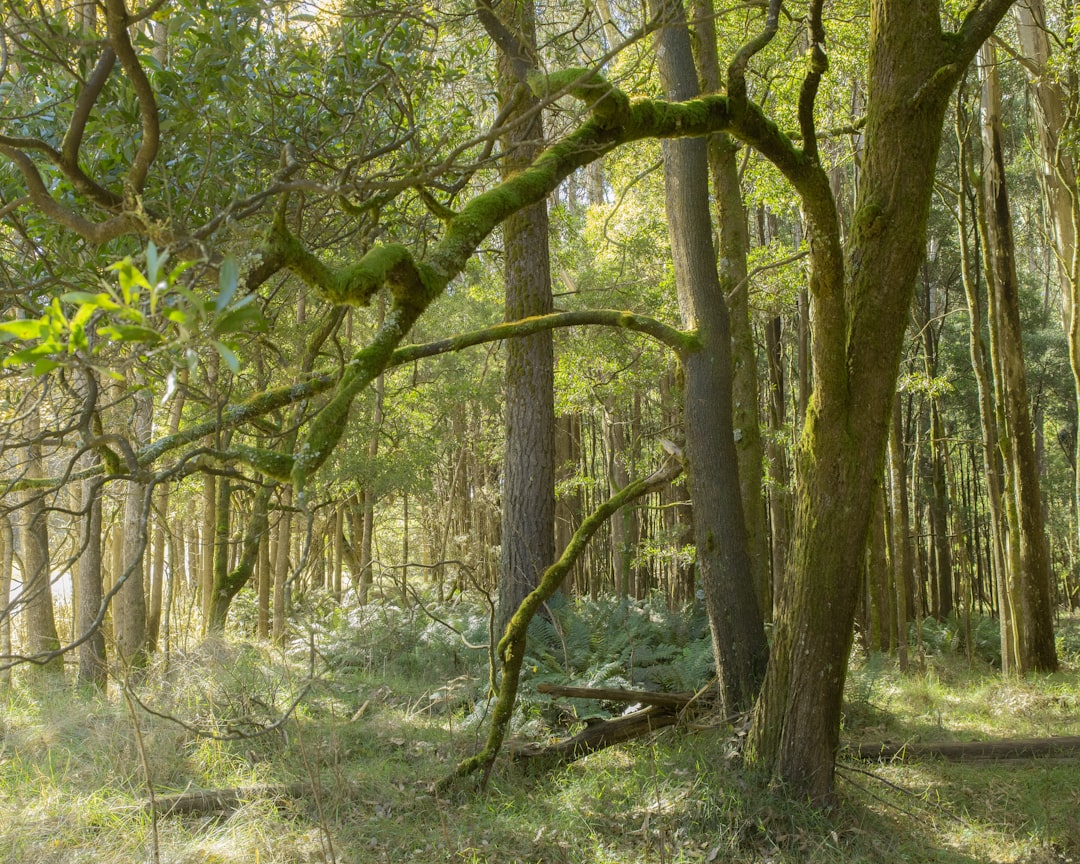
(37, 599)
(528, 489)
(281, 563)
(129, 604)
(228, 585)
(1037, 649)
(7, 561)
(734, 244)
(92, 666)
(987, 411)
(861, 303)
(1057, 177)
(719, 528)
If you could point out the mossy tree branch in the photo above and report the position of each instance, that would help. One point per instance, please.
(511, 648)
(278, 465)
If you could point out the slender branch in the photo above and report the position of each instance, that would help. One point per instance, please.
(69, 147)
(819, 65)
(117, 20)
(95, 232)
(677, 340)
(511, 648)
(736, 73)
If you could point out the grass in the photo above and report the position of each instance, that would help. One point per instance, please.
(381, 725)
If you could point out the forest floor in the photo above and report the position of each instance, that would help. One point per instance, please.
(352, 775)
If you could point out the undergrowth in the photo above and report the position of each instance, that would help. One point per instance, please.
(382, 704)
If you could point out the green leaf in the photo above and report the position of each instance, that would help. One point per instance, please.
(131, 333)
(30, 355)
(154, 262)
(229, 356)
(44, 366)
(243, 319)
(24, 329)
(228, 279)
(95, 301)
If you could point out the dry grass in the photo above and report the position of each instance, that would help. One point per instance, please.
(373, 746)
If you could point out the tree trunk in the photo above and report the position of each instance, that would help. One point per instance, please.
(528, 489)
(129, 605)
(860, 313)
(281, 563)
(1057, 177)
(987, 412)
(1037, 649)
(7, 561)
(719, 529)
(228, 585)
(92, 668)
(40, 623)
(779, 496)
(161, 530)
(266, 581)
(734, 243)
(903, 563)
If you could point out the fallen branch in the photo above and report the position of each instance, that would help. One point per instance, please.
(209, 802)
(1009, 748)
(600, 734)
(616, 694)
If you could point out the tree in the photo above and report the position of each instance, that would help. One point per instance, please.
(528, 493)
(719, 527)
(1036, 635)
(860, 302)
(860, 290)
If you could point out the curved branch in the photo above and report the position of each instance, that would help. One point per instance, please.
(511, 650)
(95, 232)
(68, 157)
(978, 26)
(819, 65)
(117, 20)
(681, 343)
(736, 73)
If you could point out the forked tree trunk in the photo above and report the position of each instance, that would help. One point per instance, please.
(861, 306)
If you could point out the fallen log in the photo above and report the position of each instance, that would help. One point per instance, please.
(600, 734)
(1008, 748)
(617, 694)
(208, 802)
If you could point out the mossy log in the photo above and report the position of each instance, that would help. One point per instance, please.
(598, 735)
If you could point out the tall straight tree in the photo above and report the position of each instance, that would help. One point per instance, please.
(1037, 651)
(129, 607)
(733, 236)
(528, 488)
(719, 527)
(1056, 119)
(37, 600)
